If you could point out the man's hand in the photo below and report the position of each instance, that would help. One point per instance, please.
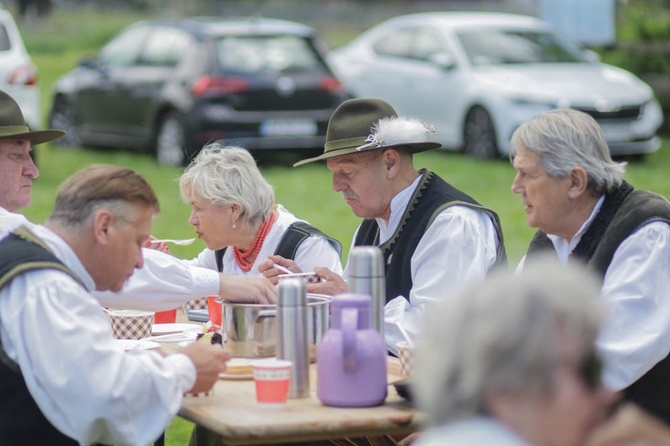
(332, 283)
(209, 361)
(269, 270)
(247, 289)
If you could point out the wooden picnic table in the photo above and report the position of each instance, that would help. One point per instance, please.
(232, 412)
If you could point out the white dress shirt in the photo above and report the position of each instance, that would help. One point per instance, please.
(459, 246)
(636, 333)
(86, 385)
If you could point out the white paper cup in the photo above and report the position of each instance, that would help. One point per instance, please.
(272, 377)
(131, 324)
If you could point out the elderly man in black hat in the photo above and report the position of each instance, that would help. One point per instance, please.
(433, 236)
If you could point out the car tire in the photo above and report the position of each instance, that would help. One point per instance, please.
(172, 141)
(479, 134)
(63, 118)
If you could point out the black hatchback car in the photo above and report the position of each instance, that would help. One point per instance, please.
(171, 86)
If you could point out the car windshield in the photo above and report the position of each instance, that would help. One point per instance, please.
(253, 54)
(504, 46)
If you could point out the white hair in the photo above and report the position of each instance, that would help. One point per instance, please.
(501, 336)
(225, 175)
(567, 138)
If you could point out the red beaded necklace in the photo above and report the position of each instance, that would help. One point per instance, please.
(245, 260)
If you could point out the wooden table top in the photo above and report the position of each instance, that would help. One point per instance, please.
(231, 410)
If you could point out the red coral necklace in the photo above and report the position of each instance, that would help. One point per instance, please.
(245, 260)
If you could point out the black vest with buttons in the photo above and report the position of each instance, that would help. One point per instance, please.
(21, 421)
(431, 197)
(622, 213)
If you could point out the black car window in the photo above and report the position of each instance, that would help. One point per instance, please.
(4, 39)
(501, 46)
(251, 54)
(396, 44)
(164, 47)
(124, 49)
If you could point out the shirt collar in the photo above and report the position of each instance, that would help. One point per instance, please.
(398, 205)
(65, 254)
(562, 246)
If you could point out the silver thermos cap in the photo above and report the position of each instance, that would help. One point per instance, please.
(292, 340)
(366, 276)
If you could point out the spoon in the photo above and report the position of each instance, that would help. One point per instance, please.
(281, 268)
(182, 242)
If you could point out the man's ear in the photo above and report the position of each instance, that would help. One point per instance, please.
(391, 161)
(579, 182)
(102, 222)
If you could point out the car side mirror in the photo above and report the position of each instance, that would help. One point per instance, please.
(443, 60)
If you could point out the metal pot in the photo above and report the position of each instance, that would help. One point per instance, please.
(250, 330)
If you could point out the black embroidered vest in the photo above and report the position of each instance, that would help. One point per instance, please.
(21, 421)
(430, 198)
(622, 213)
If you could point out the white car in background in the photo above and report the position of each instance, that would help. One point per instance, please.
(478, 76)
(18, 75)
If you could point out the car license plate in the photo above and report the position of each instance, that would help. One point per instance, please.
(288, 127)
(616, 132)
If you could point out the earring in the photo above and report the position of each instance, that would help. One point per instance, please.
(234, 225)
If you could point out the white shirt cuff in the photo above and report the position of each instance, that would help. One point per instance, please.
(185, 368)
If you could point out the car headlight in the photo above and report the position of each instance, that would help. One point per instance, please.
(534, 101)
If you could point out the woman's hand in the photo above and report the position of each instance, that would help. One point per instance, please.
(332, 283)
(269, 267)
(161, 246)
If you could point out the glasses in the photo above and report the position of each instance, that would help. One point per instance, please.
(590, 369)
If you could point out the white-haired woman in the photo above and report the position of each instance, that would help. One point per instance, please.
(234, 212)
(511, 361)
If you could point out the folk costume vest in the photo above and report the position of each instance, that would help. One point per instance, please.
(296, 233)
(622, 213)
(21, 421)
(432, 196)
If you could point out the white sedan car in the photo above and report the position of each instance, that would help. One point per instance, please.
(477, 76)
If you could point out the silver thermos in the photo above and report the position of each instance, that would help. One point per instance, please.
(292, 340)
(366, 276)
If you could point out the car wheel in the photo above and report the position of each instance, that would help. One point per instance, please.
(171, 141)
(479, 135)
(63, 118)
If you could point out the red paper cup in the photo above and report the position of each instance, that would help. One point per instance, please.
(214, 309)
(165, 317)
(272, 377)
